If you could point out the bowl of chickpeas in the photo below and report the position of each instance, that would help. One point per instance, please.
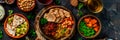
(26, 5)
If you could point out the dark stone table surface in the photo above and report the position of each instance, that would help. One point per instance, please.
(109, 17)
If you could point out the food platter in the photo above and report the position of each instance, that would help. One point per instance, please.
(91, 24)
(16, 30)
(42, 12)
(57, 20)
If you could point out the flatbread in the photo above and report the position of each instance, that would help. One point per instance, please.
(17, 20)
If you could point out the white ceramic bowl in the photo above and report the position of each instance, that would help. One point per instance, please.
(2, 12)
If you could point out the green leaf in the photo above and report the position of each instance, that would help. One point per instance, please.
(10, 12)
(80, 13)
(82, 23)
(63, 31)
(80, 5)
(0, 32)
(57, 2)
(32, 33)
(28, 16)
(1, 35)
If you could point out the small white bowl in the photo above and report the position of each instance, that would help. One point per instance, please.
(2, 12)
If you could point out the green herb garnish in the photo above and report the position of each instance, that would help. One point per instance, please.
(80, 13)
(63, 30)
(1, 35)
(30, 16)
(80, 5)
(10, 12)
(33, 33)
(43, 21)
(57, 2)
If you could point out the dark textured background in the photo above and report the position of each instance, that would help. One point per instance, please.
(109, 17)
